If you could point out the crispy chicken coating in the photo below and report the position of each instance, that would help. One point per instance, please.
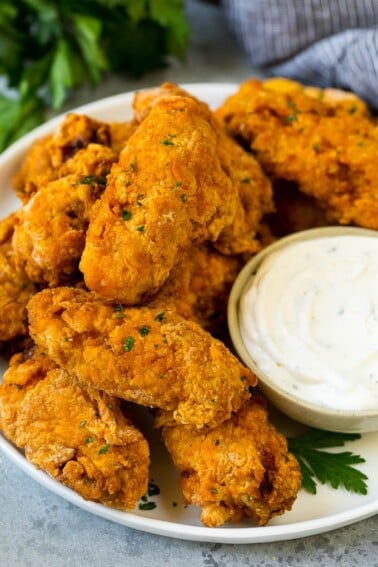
(50, 235)
(78, 436)
(46, 156)
(163, 196)
(64, 152)
(120, 132)
(15, 287)
(199, 286)
(328, 147)
(240, 469)
(254, 188)
(145, 355)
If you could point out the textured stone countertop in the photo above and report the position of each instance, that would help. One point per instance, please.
(39, 529)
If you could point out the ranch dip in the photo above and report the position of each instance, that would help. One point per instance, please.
(309, 319)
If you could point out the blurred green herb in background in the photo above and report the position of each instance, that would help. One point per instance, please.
(48, 48)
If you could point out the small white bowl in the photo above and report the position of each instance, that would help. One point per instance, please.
(308, 413)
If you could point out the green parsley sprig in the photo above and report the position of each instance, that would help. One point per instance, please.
(49, 47)
(327, 467)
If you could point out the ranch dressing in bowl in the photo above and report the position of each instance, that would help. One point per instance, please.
(303, 315)
(309, 319)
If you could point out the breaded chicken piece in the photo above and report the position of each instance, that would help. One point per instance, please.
(35, 170)
(328, 148)
(15, 287)
(240, 469)
(176, 184)
(78, 436)
(46, 156)
(255, 200)
(254, 188)
(120, 132)
(145, 355)
(50, 234)
(199, 286)
(65, 152)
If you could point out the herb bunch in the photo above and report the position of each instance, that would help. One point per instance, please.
(49, 47)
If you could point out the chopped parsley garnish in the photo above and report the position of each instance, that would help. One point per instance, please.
(140, 228)
(82, 423)
(147, 506)
(119, 312)
(160, 317)
(110, 406)
(334, 469)
(184, 198)
(246, 180)
(167, 142)
(104, 449)
(352, 109)
(89, 440)
(93, 180)
(214, 490)
(290, 118)
(177, 185)
(293, 116)
(143, 331)
(132, 166)
(18, 386)
(153, 489)
(126, 215)
(128, 344)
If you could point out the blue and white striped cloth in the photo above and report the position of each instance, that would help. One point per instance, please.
(329, 43)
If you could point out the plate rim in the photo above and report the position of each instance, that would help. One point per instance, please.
(234, 535)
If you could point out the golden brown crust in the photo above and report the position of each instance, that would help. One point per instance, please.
(199, 285)
(145, 355)
(328, 148)
(78, 436)
(15, 286)
(240, 469)
(179, 181)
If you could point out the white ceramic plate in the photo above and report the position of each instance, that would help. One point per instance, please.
(328, 510)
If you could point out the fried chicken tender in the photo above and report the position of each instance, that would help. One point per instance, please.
(46, 156)
(152, 357)
(328, 147)
(78, 436)
(50, 235)
(120, 132)
(199, 286)
(15, 287)
(254, 188)
(64, 152)
(240, 469)
(176, 184)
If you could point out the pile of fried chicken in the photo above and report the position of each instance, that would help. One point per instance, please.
(115, 273)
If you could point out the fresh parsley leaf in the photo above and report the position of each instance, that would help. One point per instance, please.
(327, 467)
